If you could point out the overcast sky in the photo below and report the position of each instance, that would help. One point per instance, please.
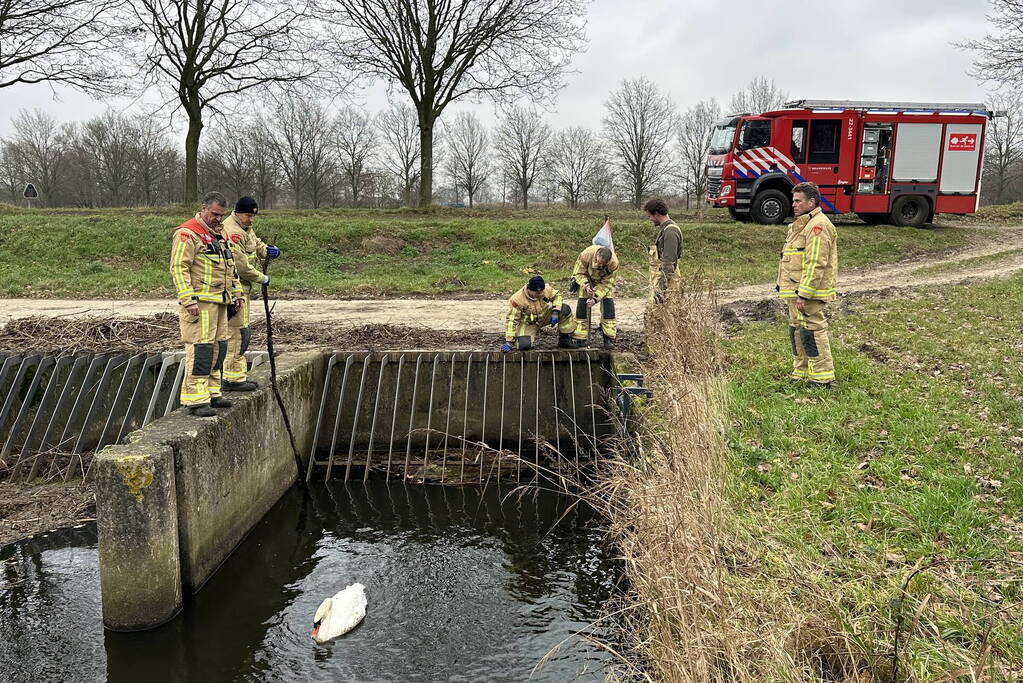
(871, 49)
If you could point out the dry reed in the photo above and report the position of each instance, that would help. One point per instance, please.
(704, 604)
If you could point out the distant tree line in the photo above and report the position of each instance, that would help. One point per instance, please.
(295, 152)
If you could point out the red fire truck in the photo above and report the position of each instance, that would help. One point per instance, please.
(887, 161)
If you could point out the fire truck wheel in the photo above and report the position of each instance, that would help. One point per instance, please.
(741, 216)
(910, 210)
(770, 207)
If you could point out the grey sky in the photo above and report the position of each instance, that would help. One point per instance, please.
(871, 49)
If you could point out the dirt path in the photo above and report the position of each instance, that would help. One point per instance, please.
(488, 313)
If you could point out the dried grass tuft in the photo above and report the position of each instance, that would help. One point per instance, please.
(704, 604)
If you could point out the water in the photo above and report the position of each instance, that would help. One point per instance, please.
(464, 584)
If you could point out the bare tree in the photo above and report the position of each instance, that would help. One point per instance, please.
(468, 149)
(639, 125)
(440, 51)
(399, 129)
(209, 51)
(1004, 141)
(321, 180)
(693, 143)
(155, 162)
(355, 140)
(231, 163)
(999, 54)
(266, 170)
(290, 132)
(108, 143)
(522, 140)
(41, 146)
(58, 41)
(758, 96)
(10, 170)
(575, 157)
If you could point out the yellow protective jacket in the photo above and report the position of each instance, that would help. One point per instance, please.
(601, 279)
(522, 309)
(809, 260)
(202, 266)
(247, 249)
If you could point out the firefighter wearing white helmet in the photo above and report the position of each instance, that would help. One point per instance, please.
(806, 281)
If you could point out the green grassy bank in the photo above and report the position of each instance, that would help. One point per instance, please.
(897, 495)
(124, 252)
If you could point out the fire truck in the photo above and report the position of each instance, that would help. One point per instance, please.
(898, 162)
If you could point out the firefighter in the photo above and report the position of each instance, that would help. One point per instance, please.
(665, 252)
(248, 250)
(203, 272)
(806, 280)
(594, 277)
(534, 306)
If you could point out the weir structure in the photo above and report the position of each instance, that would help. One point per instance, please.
(179, 494)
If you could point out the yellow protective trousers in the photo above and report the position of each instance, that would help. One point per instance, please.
(235, 367)
(605, 308)
(205, 337)
(811, 347)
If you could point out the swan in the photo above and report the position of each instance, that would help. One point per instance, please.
(338, 615)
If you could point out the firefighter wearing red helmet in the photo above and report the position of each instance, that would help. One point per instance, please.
(806, 281)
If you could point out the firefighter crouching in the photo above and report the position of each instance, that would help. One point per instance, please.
(806, 280)
(247, 250)
(594, 274)
(203, 272)
(665, 252)
(534, 306)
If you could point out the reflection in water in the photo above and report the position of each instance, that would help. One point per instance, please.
(463, 583)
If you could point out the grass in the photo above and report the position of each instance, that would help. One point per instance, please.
(356, 253)
(897, 493)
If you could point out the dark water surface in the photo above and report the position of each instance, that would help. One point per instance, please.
(463, 583)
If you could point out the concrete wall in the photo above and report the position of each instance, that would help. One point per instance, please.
(227, 472)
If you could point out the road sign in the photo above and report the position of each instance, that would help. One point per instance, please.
(31, 192)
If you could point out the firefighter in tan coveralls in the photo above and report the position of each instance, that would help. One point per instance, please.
(594, 273)
(248, 250)
(806, 280)
(665, 252)
(202, 269)
(534, 306)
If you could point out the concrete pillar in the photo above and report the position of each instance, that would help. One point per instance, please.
(137, 517)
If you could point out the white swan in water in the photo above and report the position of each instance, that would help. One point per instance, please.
(338, 615)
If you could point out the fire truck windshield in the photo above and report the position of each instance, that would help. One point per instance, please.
(721, 137)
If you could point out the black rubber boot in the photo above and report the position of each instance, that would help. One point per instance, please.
(609, 342)
(825, 386)
(565, 341)
(247, 385)
(202, 411)
(220, 402)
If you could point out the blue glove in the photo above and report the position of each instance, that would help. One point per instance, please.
(506, 347)
(272, 252)
(555, 317)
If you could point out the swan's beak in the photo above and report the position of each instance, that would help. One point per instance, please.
(316, 628)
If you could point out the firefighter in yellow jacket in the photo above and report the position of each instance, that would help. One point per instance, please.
(248, 251)
(594, 277)
(806, 280)
(534, 306)
(202, 269)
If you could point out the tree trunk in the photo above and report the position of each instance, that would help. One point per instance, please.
(525, 196)
(192, 158)
(425, 159)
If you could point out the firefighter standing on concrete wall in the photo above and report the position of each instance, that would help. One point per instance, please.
(203, 272)
(806, 280)
(594, 273)
(248, 250)
(665, 252)
(534, 306)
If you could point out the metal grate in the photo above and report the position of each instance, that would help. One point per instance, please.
(68, 405)
(400, 411)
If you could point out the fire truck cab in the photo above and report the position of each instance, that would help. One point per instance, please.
(887, 161)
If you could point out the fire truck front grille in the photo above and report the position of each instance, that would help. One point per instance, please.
(713, 187)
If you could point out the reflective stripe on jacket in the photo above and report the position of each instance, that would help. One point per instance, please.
(247, 249)
(201, 265)
(808, 266)
(523, 310)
